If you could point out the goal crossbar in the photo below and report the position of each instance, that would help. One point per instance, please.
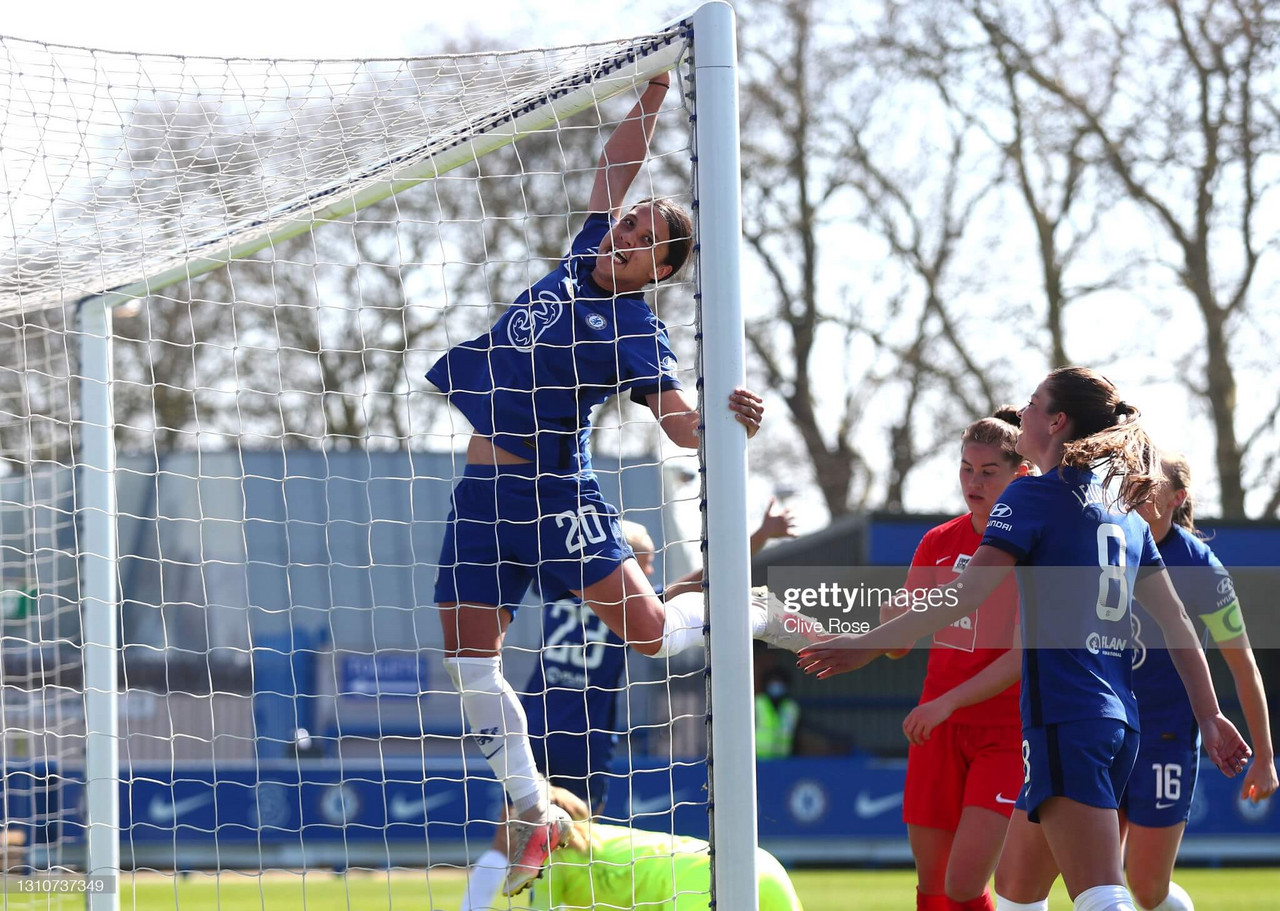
(491, 129)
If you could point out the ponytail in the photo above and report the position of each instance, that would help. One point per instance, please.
(1106, 433)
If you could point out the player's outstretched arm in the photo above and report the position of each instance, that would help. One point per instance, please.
(1222, 741)
(625, 150)
(1260, 782)
(841, 654)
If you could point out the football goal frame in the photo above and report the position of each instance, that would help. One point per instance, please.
(712, 68)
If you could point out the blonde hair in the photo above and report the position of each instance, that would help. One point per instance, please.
(580, 835)
(1177, 471)
(636, 535)
(1000, 430)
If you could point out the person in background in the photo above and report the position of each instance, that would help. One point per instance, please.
(777, 715)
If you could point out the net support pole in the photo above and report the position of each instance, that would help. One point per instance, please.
(96, 505)
(719, 211)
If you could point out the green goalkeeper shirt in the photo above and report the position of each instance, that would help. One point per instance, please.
(646, 871)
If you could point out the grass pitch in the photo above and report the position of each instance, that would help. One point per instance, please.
(1250, 889)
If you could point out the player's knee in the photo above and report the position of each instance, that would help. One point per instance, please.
(1017, 889)
(476, 675)
(1146, 895)
(1162, 896)
(1148, 890)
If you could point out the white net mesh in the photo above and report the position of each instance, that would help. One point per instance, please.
(41, 640)
(284, 470)
(127, 171)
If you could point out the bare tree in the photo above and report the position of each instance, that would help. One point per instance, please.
(824, 155)
(1185, 133)
(789, 145)
(1051, 162)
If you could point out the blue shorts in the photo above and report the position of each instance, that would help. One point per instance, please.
(1086, 761)
(577, 763)
(1163, 781)
(509, 526)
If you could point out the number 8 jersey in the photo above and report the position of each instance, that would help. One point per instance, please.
(1078, 557)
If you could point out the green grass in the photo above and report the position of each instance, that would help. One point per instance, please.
(1250, 889)
(894, 890)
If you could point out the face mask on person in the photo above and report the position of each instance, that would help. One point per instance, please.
(776, 690)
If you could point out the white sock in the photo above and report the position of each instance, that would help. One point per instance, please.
(1176, 900)
(484, 881)
(1003, 904)
(682, 625)
(500, 729)
(1104, 898)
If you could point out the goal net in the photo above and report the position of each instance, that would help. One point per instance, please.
(224, 479)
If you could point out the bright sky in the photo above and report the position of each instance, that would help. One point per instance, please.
(397, 28)
(287, 28)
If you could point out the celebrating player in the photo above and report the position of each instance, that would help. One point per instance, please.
(964, 766)
(571, 698)
(1079, 717)
(528, 500)
(605, 866)
(1155, 805)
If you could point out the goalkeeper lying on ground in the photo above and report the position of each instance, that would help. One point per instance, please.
(616, 867)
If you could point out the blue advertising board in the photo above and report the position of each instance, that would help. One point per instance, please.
(847, 808)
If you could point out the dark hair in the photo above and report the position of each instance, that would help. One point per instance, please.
(1105, 431)
(1177, 471)
(679, 233)
(1000, 430)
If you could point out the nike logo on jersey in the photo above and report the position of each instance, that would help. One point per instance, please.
(867, 806)
(1160, 805)
(1000, 798)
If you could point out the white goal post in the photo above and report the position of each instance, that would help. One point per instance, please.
(225, 205)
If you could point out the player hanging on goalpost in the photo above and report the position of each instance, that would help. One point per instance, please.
(604, 866)
(529, 502)
(964, 767)
(1079, 717)
(571, 698)
(1157, 802)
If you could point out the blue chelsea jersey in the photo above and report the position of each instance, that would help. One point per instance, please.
(1205, 587)
(573, 691)
(1078, 559)
(562, 348)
